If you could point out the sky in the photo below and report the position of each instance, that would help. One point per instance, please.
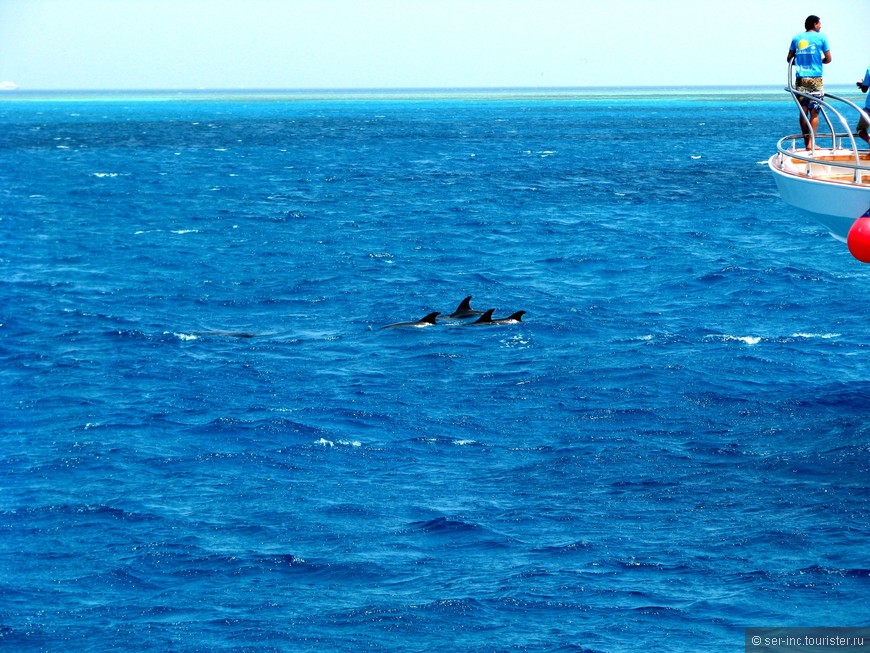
(377, 44)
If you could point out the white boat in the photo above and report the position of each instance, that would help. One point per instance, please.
(830, 181)
(8, 86)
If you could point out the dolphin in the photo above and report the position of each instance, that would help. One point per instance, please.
(464, 310)
(513, 318)
(426, 320)
(486, 318)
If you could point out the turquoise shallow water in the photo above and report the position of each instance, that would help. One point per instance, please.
(671, 447)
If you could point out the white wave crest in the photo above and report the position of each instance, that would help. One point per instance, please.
(748, 340)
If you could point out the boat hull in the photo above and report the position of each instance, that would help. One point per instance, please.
(834, 205)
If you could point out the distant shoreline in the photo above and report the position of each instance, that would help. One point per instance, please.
(493, 93)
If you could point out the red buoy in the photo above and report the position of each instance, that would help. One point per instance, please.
(858, 239)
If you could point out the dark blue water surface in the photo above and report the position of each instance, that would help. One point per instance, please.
(671, 447)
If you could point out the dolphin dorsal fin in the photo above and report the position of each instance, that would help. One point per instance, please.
(430, 319)
(464, 305)
(486, 317)
(518, 316)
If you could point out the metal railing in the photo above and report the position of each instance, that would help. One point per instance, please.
(830, 114)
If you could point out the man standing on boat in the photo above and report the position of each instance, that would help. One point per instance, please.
(810, 50)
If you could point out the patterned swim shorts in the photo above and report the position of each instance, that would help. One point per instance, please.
(811, 86)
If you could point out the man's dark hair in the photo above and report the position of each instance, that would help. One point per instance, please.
(810, 22)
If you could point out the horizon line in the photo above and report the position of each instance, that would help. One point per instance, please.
(383, 89)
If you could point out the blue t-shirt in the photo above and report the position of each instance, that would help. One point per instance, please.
(809, 49)
(866, 83)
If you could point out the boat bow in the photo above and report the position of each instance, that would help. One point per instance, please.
(830, 182)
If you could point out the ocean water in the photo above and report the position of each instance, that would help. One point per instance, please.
(210, 444)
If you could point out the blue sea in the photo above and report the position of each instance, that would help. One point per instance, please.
(210, 444)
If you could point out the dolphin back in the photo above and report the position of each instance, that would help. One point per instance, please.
(486, 318)
(426, 320)
(516, 317)
(464, 309)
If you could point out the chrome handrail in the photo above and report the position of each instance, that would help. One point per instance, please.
(825, 107)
